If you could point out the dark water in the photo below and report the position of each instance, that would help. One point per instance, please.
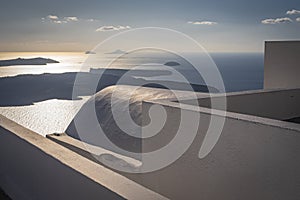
(241, 71)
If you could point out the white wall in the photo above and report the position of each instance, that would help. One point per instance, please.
(282, 64)
(252, 160)
(274, 104)
(33, 167)
(27, 173)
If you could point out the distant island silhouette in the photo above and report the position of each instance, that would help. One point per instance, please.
(32, 88)
(118, 51)
(27, 61)
(90, 52)
(172, 63)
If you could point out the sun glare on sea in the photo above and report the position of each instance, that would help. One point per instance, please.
(68, 62)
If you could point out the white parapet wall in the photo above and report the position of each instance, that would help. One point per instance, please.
(282, 64)
(280, 104)
(254, 158)
(34, 167)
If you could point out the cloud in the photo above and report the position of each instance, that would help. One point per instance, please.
(59, 22)
(92, 20)
(203, 23)
(71, 19)
(277, 20)
(293, 12)
(112, 28)
(52, 17)
(298, 19)
(63, 20)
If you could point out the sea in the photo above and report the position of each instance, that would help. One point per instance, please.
(240, 72)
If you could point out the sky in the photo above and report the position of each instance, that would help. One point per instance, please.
(78, 25)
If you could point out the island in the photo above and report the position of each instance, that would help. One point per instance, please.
(90, 52)
(27, 61)
(118, 51)
(171, 63)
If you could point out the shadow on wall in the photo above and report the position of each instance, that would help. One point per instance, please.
(4, 196)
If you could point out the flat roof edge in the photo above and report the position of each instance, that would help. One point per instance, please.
(124, 187)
